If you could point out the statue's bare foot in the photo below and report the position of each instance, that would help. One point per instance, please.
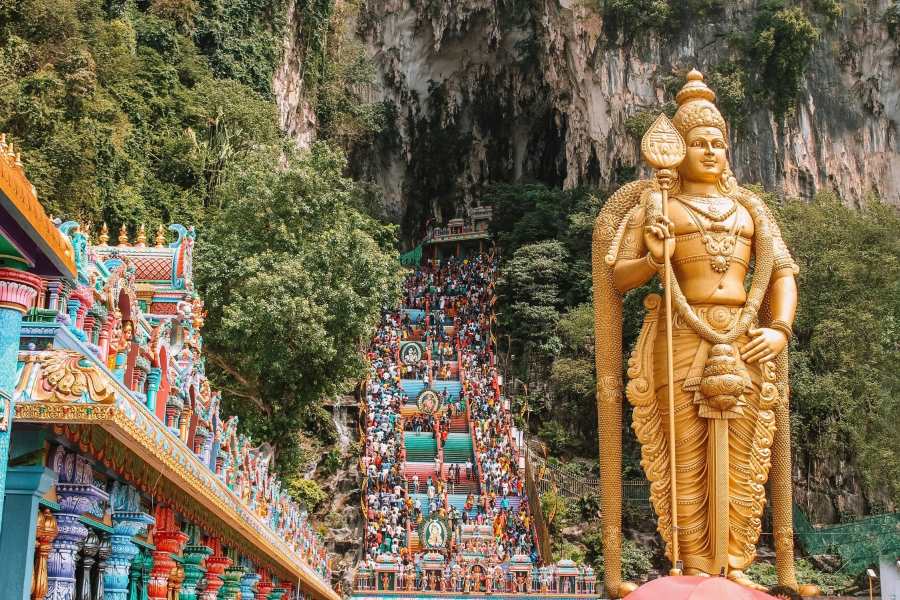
(696, 573)
(809, 590)
(741, 579)
(625, 588)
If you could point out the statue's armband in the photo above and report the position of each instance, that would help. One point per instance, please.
(632, 243)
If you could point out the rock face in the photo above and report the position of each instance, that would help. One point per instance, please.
(487, 90)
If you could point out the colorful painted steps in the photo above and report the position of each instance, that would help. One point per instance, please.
(413, 387)
(458, 501)
(459, 424)
(420, 447)
(458, 448)
(416, 315)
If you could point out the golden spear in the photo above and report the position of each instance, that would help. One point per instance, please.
(663, 148)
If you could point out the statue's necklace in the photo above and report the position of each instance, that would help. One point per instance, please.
(711, 211)
(719, 241)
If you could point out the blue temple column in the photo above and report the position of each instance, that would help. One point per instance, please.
(153, 379)
(128, 521)
(76, 495)
(248, 581)
(18, 290)
(24, 488)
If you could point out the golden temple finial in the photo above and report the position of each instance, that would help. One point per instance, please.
(141, 237)
(3, 144)
(86, 230)
(104, 234)
(123, 236)
(161, 236)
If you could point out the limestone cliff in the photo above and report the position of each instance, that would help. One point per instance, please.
(494, 90)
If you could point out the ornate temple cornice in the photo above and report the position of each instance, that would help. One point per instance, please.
(18, 197)
(82, 402)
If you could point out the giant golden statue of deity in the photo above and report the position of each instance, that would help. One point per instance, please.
(723, 350)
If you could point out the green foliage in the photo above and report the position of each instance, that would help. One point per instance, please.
(531, 282)
(101, 106)
(331, 462)
(306, 491)
(831, 584)
(636, 559)
(830, 9)
(845, 385)
(779, 48)
(294, 277)
(638, 123)
(730, 81)
(632, 17)
(891, 20)
(555, 508)
(242, 39)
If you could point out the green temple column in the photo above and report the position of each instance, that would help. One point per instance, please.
(18, 290)
(153, 379)
(232, 585)
(24, 488)
(276, 594)
(194, 555)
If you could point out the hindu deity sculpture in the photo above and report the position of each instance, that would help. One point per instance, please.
(726, 362)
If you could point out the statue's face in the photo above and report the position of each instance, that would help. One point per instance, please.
(705, 160)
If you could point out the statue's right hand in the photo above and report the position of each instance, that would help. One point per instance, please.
(655, 235)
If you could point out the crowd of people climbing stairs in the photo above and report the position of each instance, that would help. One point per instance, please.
(461, 461)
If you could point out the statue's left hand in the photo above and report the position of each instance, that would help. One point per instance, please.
(765, 345)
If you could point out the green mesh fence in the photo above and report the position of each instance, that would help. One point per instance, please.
(859, 543)
(413, 257)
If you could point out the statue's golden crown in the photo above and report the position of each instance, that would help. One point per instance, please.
(696, 106)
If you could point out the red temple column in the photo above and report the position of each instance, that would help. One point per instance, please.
(169, 540)
(264, 587)
(215, 567)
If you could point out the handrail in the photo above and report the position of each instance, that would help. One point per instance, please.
(537, 512)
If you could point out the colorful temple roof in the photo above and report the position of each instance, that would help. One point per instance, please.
(111, 364)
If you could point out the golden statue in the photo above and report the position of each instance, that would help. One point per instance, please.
(724, 347)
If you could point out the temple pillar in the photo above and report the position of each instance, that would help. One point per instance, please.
(24, 488)
(153, 379)
(103, 338)
(215, 567)
(98, 590)
(72, 306)
(54, 293)
(76, 495)
(17, 293)
(276, 594)
(232, 583)
(263, 588)
(46, 533)
(247, 582)
(88, 557)
(194, 556)
(128, 521)
(89, 322)
(169, 540)
(176, 577)
(139, 575)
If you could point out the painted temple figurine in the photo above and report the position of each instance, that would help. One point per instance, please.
(729, 364)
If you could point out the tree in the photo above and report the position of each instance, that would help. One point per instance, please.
(294, 276)
(844, 377)
(530, 286)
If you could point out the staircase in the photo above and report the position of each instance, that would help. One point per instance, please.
(420, 447)
(458, 448)
(413, 387)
